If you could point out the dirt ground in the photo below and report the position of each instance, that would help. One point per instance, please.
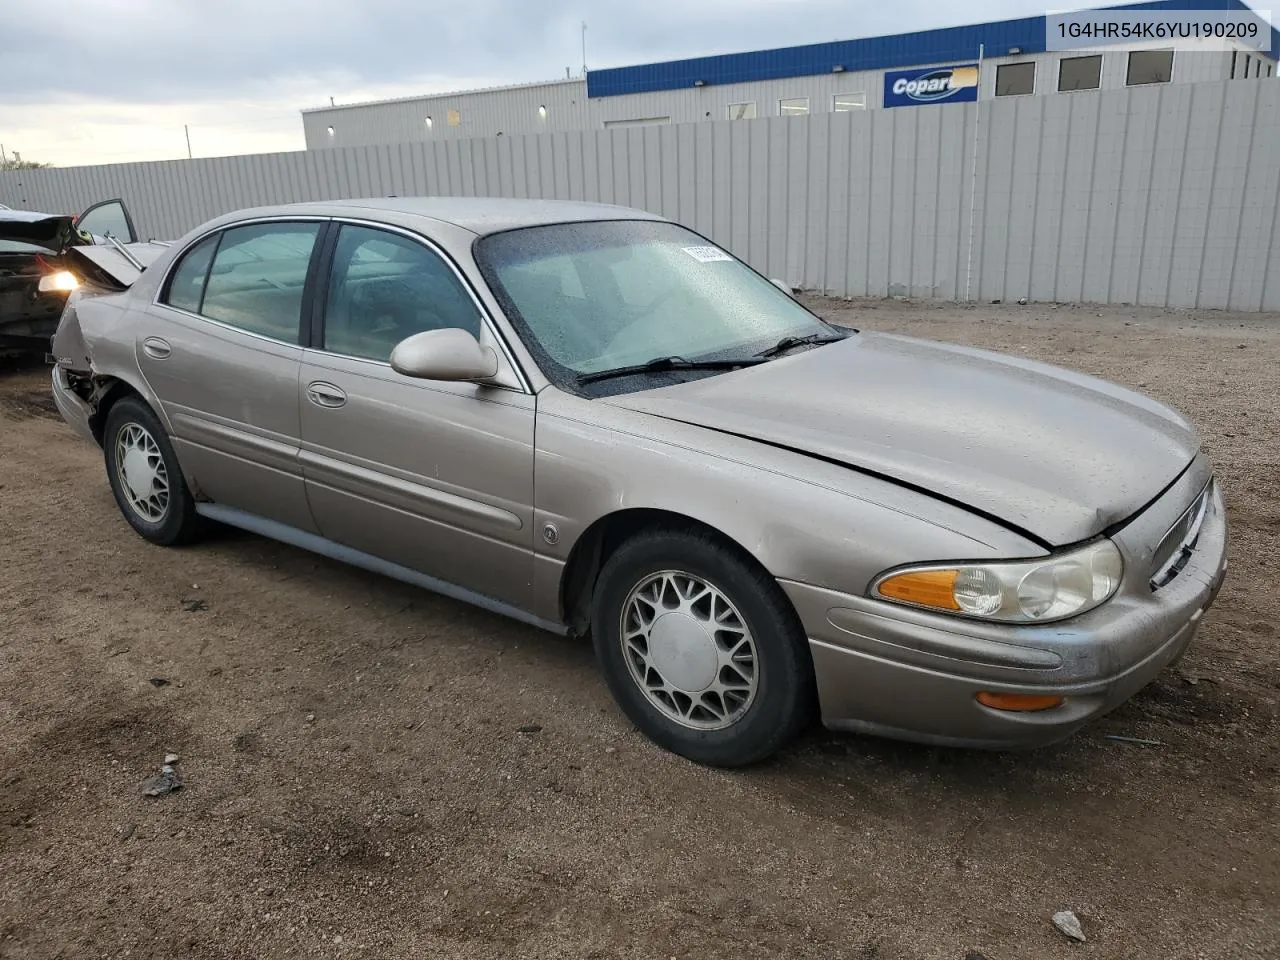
(357, 784)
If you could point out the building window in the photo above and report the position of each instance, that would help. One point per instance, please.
(741, 111)
(844, 102)
(1257, 71)
(1015, 79)
(1233, 64)
(1079, 73)
(1150, 66)
(637, 122)
(793, 107)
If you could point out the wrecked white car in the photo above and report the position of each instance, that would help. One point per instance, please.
(45, 257)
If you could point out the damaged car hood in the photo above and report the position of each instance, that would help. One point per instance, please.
(1054, 454)
(50, 232)
(101, 260)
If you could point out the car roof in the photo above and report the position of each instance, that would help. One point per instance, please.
(479, 215)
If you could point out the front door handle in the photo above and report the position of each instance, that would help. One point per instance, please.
(156, 348)
(325, 394)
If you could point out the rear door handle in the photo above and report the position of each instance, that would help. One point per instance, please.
(325, 394)
(156, 348)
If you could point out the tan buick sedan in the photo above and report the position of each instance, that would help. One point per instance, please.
(598, 422)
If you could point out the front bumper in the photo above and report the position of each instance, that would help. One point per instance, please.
(888, 669)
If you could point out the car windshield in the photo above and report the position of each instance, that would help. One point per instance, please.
(597, 296)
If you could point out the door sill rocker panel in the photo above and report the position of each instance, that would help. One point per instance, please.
(357, 558)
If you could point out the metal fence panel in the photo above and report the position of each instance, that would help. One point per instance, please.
(1154, 195)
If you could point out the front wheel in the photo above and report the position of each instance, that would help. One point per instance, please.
(145, 476)
(701, 648)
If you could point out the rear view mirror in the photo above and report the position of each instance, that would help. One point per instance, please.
(450, 354)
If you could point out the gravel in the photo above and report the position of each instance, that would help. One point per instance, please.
(288, 839)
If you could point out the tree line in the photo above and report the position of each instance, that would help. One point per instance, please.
(17, 163)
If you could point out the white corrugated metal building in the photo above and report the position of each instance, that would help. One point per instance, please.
(825, 77)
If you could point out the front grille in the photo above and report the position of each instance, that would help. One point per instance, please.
(1179, 543)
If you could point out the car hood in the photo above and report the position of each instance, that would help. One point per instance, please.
(1058, 456)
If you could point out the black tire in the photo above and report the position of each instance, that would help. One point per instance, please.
(179, 523)
(784, 695)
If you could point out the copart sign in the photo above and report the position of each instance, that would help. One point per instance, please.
(909, 88)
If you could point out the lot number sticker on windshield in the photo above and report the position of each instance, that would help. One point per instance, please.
(706, 254)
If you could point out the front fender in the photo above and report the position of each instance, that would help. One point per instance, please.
(804, 519)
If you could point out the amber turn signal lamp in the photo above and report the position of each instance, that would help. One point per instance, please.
(928, 588)
(1022, 702)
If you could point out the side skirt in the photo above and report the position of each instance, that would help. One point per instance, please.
(337, 551)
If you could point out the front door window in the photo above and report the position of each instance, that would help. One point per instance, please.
(386, 287)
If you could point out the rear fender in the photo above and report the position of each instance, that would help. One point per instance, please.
(68, 346)
(104, 365)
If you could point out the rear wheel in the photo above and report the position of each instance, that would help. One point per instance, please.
(145, 476)
(701, 648)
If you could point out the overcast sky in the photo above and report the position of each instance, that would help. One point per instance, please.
(102, 81)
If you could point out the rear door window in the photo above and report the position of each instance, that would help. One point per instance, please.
(186, 284)
(257, 278)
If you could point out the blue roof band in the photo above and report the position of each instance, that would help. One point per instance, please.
(873, 53)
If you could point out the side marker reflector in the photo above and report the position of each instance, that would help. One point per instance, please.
(1019, 702)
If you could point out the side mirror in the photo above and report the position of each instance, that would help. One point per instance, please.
(783, 286)
(450, 354)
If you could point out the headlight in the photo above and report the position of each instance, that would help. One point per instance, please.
(63, 280)
(1022, 591)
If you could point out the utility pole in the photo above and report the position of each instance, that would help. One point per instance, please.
(584, 48)
(3, 159)
(187, 130)
(973, 174)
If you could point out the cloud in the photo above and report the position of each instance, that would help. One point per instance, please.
(89, 81)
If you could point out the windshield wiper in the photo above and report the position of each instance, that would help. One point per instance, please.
(787, 343)
(660, 364)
